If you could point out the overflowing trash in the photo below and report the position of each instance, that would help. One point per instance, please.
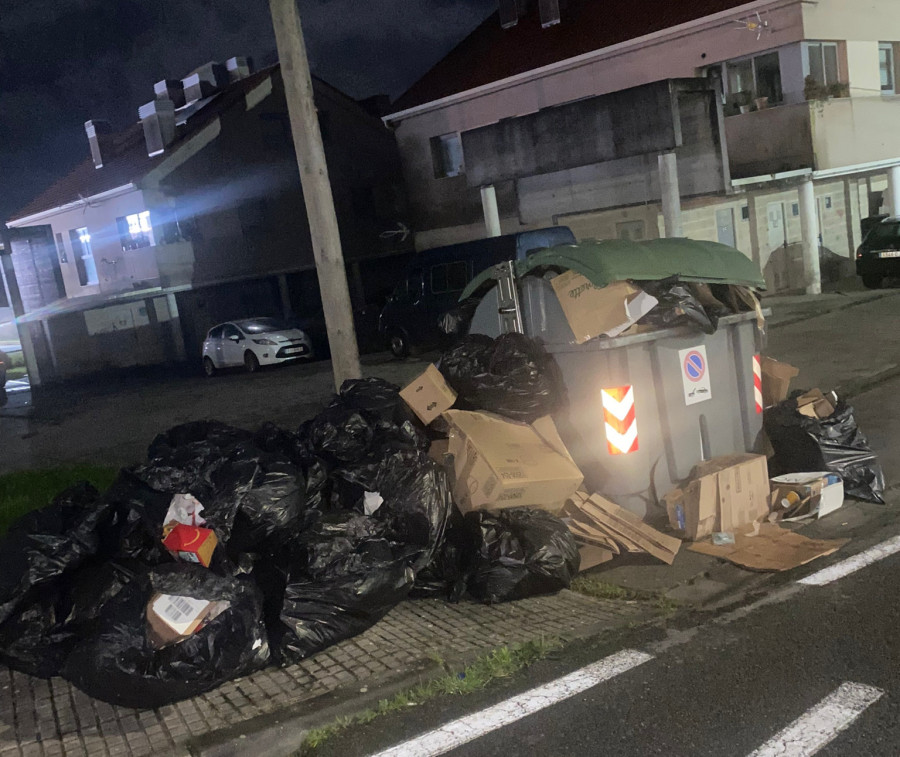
(814, 432)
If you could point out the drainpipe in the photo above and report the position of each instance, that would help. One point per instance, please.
(671, 196)
(491, 214)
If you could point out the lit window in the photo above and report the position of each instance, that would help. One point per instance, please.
(84, 256)
(135, 230)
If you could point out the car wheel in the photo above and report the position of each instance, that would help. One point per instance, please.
(872, 280)
(251, 363)
(399, 344)
(209, 367)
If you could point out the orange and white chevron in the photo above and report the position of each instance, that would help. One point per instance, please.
(618, 415)
(757, 384)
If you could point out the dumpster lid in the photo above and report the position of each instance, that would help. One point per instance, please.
(608, 260)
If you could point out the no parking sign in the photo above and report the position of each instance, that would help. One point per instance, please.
(695, 375)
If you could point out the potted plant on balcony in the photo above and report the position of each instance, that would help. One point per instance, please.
(761, 103)
(743, 100)
(813, 90)
(839, 89)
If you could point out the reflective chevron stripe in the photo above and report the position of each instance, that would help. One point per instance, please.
(757, 384)
(618, 415)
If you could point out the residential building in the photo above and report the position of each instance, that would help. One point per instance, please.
(806, 108)
(193, 215)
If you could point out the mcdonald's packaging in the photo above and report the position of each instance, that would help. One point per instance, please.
(191, 543)
(720, 495)
(592, 311)
(428, 395)
(500, 463)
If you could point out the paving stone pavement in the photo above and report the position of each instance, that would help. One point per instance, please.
(52, 718)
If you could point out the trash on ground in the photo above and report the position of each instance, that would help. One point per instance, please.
(835, 444)
(428, 395)
(776, 380)
(184, 509)
(720, 495)
(592, 311)
(512, 376)
(191, 543)
(519, 552)
(499, 463)
(769, 547)
(798, 496)
(814, 404)
(721, 538)
(595, 521)
(172, 618)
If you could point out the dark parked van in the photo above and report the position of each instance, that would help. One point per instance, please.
(432, 285)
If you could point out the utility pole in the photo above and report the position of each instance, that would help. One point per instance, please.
(323, 227)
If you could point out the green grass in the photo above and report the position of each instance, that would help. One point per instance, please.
(591, 586)
(498, 663)
(24, 491)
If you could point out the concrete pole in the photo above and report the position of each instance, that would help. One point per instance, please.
(809, 226)
(491, 214)
(671, 196)
(323, 226)
(753, 221)
(894, 190)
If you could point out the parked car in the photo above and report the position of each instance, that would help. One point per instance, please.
(879, 254)
(433, 284)
(252, 343)
(4, 364)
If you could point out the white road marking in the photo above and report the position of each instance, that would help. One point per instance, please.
(819, 726)
(853, 564)
(463, 730)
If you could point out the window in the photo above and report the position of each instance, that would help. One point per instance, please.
(822, 62)
(84, 256)
(449, 277)
(61, 248)
(229, 332)
(447, 155)
(740, 76)
(745, 213)
(886, 68)
(795, 209)
(633, 230)
(759, 76)
(768, 77)
(135, 231)
(216, 333)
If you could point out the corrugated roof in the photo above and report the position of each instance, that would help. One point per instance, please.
(125, 158)
(491, 53)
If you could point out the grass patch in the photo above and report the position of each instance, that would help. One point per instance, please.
(24, 491)
(591, 586)
(498, 663)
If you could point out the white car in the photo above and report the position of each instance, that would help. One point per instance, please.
(253, 342)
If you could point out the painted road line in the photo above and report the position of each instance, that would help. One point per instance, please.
(853, 564)
(820, 725)
(463, 730)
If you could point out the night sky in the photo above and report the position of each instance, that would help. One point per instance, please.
(63, 62)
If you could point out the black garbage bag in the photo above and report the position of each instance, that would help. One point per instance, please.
(120, 664)
(833, 444)
(455, 323)
(445, 577)
(346, 575)
(519, 552)
(678, 306)
(45, 544)
(41, 633)
(512, 376)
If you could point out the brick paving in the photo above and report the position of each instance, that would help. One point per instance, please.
(53, 719)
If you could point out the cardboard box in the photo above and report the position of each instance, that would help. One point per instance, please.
(814, 404)
(722, 494)
(172, 618)
(592, 311)
(429, 395)
(776, 380)
(499, 463)
(817, 494)
(191, 543)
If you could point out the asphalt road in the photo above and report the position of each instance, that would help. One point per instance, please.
(724, 687)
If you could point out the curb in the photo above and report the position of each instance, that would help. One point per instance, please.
(842, 306)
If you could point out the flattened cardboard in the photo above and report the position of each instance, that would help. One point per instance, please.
(428, 395)
(592, 311)
(723, 494)
(814, 404)
(626, 523)
(772, 548)
(592, 556)
(499, 463)
(776, 380)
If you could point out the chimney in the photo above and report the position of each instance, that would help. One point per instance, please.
(158, 120)
(95, 131)
(204, 81)
(238, 68)
(170, 89)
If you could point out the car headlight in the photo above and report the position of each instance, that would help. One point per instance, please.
(264, 341)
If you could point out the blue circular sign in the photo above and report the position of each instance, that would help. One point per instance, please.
(694, 366)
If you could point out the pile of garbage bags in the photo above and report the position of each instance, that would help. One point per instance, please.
(834, 443)
(311, 537)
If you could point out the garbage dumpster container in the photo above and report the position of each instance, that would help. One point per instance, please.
(643, 409)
